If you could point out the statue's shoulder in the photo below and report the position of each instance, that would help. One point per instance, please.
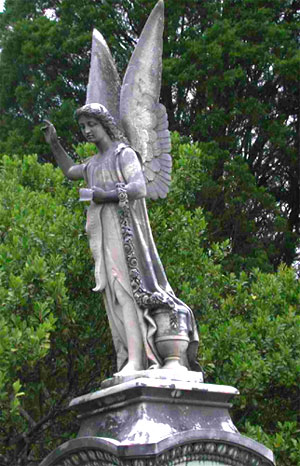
(126, 154)
(121, 148)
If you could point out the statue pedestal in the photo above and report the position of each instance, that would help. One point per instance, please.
(152, 419)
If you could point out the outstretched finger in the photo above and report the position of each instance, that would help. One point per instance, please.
(47, 124)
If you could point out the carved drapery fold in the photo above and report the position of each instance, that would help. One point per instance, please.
(143, 298)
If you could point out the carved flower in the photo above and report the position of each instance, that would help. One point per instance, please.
(128, 248)
(133, 262)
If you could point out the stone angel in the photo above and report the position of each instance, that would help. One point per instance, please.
(150, 326)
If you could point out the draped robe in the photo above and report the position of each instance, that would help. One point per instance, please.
(106, 243)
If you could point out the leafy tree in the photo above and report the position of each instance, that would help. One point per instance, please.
(50, 321)
(55, 343)
(236, 208)
(230, 78)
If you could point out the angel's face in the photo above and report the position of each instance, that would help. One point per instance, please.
(92, 129)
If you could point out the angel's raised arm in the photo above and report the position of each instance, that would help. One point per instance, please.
(70, 169)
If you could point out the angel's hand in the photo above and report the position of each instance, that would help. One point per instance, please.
(49, 132)
(99, 195)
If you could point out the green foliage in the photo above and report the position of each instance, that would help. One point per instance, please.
(236, 207)
(53, 329)
(284, 443)
(231, 77)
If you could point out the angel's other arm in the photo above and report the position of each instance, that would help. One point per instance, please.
(133, 175)
(132, 172)
(70, 169)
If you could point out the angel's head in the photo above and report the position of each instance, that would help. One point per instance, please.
(101, 114)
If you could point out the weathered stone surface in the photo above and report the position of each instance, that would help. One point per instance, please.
(161, 421)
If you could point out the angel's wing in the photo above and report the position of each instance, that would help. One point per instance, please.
(143, 118)
(104, 82)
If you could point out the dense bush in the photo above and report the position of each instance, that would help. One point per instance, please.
(54, 338)
(53, 342)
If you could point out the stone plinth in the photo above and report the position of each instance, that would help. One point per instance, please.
(158, 420)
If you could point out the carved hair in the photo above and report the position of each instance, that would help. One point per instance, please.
(100, 113)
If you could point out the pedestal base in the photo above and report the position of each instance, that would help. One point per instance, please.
(163, 421)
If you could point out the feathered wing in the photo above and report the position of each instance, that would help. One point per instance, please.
(104, 82)
(143, 118)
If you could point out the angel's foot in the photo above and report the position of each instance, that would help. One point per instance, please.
(131, 368)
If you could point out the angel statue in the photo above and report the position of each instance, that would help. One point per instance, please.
(150, 326)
